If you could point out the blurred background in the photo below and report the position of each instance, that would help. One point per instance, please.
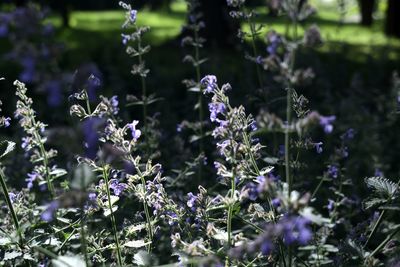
(54, 46)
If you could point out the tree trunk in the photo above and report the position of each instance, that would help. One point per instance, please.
(221, 29)
(367, 9)
(392, 26)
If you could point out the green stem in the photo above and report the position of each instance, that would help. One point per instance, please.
(88, 103)
(200, 99)
(114, 225)
(144, 95)
(318, 187)
(287, 140)
(384, 242)
(147, 213)
(230, 212)
(11, 207)
(378, 222)
(145, 204)
(253, 44)
(45, 163)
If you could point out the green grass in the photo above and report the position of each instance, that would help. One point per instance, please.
(167, 25)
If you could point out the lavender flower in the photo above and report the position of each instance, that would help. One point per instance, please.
(210, 82)
(117, 187)
(31, 178)
(215, 109)
(135, 132)
(48, 214)
(191, 203)
(318, 147)
(326, 123)
(332, 171)
(132, 15)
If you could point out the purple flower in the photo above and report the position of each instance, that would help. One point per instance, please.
(266, 247)
(93, 82)
(125, 38)
(331, 204)
(7, 122)
(333, 171)
(210, 82)
(276, 202)
(348, 135)
(318, 147)
(296, 230)
(253, 126)
(91, 136)
(12, 197)
(3, 30)
(135, 132)
(191, 203)
(133, 15)
(251, 191)
(117, 187)
(378, 173)
(31, 178)
(48, 214)
(274, 41)
(114, 104)
(326, 123)
(215, 109)
(92, 197)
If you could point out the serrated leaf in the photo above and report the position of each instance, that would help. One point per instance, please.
(373, 202)
(11, 255)
(6, 147)
(382, 186)
(136, 244)
(136, 228)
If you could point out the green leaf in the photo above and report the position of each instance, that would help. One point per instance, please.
(382, 186)
(6, 147)
(68, 261)
(12, 255)
(136, 244)
(83, 177)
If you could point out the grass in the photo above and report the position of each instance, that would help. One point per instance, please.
(167, 25)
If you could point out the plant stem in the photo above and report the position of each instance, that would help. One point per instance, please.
(230, 210)
(145, 204)
(378, 222)
(45, 163)
(200, 99)
(384, 242)
(105, 176)
(254, 47)
(147, 213)
(11, 207)
(287, 140)
(88, 103)
(144, 94)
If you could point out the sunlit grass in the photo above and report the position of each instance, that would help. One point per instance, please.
(167, 25)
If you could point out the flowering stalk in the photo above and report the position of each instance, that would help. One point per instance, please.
(34, 139)
(112, 217)
(247, 16)
(145, 203)
(195, 24)
(140, 68)
(11, 207)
